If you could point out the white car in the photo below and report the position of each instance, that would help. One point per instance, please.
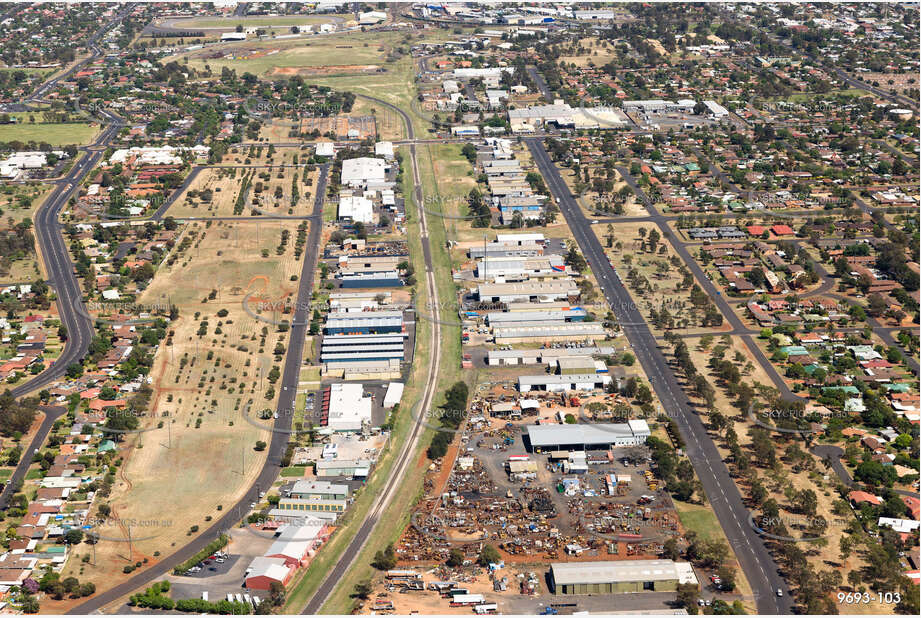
(779, 592)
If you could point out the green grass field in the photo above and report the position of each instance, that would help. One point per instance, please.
(293, 471)
(805, 96)
(52, 133)
(347, 49)
(41, 72)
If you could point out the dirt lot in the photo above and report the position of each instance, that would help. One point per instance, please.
(340, 126)
(199, 453)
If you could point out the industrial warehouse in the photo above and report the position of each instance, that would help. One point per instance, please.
(598, 436)
(619, 577)
(564, 382)
(529, 291)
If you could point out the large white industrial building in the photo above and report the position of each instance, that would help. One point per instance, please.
(579, 437)
(349, 408)
(358, 173)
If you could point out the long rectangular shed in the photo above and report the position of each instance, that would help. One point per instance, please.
(585, 437)
(620, 576)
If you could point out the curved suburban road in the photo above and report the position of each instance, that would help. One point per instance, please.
(59, 270)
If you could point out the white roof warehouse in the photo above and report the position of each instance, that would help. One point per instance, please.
(620, 576)
(541, 438)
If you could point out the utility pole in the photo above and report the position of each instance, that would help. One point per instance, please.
(484, 257)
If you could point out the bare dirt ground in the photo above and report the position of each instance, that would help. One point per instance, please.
(199, 453)
(327, 70)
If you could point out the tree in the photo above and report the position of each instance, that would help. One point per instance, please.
(687, 597)
(455, 558)
(727, 577)
(386, 559)
(277, 594)
(670, 549)
(488, 555)
(73, 536)
(575, 260)
(363, 590)
(16, 416)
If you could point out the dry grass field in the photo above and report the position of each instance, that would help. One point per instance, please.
(199, 453)
(214, 191)
(661, 269)
(599, 53)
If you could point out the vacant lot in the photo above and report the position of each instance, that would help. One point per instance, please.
(262, 58)
(272, 189)
(200, 452)
(596, 53)
(657, 275)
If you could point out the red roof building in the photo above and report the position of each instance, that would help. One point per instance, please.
(782, 230)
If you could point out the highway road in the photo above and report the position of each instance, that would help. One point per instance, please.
(757, 563)
(404, 458)
(707, 286)
(280, 433)
(39, 92)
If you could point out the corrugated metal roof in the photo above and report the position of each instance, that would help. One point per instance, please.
(565, 573)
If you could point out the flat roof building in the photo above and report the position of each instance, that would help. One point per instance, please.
(349, 409)
(561, 383)
(529, 291)
(716, 110)
(384, 149)
(363, 170)
(364, 322)
(393, 395)
(356, 209)
(535, 333)
(388, 279)
(325, 149)
(584, 437)
(613, 577)
(323, 489)
(358, 468)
